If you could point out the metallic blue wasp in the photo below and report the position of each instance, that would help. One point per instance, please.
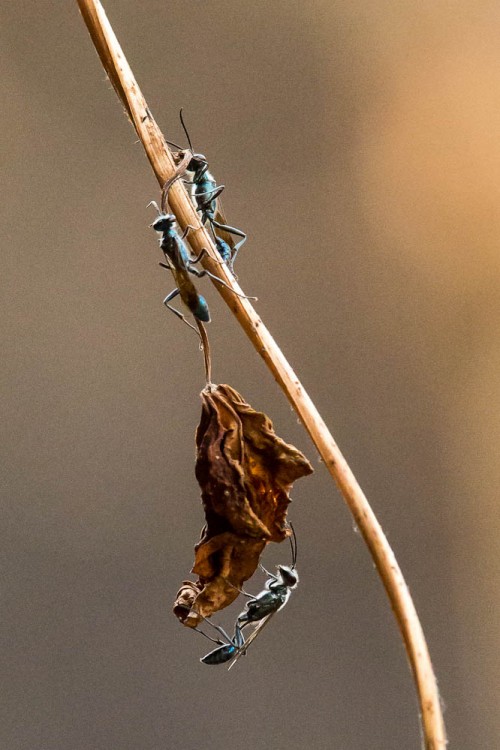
(260, 608)
(276, 592)
(205, 193)
(258, 611)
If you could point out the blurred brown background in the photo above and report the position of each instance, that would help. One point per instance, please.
(359, 145)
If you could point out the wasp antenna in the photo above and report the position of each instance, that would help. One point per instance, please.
(186, 131)
(293, 545)
(155, 204)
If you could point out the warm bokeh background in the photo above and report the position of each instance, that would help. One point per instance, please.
(359, 144)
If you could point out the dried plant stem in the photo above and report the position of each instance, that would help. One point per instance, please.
(163, 166)
(206, 351)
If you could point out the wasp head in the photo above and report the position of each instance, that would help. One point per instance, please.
(163, 222)
(198, 165)
(289, 576)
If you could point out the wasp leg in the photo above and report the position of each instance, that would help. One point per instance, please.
(200, 275)
(182, 317)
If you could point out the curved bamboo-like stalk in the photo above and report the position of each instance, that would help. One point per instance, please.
(163, 166)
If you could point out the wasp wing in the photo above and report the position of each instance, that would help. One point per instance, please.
(220, 216)
(255, 632)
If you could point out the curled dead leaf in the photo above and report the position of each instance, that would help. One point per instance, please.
(245, 472)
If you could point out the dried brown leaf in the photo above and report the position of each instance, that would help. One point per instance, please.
(245, 472)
